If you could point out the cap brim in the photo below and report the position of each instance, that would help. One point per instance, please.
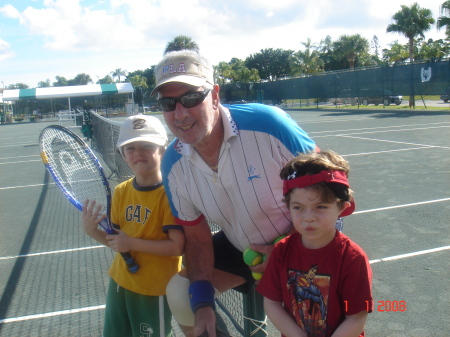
(186, 79)
(349, 210)
(154, 140)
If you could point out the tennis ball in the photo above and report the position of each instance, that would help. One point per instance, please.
(251, 257)
(257, 276)
(281, 237)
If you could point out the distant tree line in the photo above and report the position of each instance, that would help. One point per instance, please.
(347, 52)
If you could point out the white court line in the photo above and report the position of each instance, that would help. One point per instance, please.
(396, 142)
(71, 311)
(400, 206)
(403, 256)
(51, 314)
(52, 252)
(12, 187)
(98, 307)
(392, 127)
(20, 144)
(31, 155)
(101, 246)
(387, 151)
(23, 161)
(379, 131)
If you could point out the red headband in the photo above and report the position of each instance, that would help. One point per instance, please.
(326, 176)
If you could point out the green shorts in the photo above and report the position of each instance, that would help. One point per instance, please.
(130, 314)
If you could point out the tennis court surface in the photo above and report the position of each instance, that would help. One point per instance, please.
(53, 277)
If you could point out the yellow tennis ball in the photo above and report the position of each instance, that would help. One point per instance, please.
(257, 276)
(251, 257)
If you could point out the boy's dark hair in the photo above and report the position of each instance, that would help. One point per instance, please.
(314, 163)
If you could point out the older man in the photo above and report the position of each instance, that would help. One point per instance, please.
(223, 167)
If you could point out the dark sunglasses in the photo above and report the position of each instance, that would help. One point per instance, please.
(188, 100)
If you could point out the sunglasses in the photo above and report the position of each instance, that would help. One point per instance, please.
(188, 100)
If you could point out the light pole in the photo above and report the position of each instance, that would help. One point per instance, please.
(2, 110)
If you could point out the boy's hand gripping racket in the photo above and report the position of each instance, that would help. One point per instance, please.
(78, 173)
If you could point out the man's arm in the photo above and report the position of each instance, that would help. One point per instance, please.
(199, 252)
(199, 255)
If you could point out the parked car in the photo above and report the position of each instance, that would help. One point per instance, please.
(383, 97)
(241, 101)
(151, 108)
(445, 96)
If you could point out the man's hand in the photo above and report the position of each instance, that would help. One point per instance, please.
(263, 249)
(205, 320)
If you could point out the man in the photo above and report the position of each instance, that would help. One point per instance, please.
(224, 167)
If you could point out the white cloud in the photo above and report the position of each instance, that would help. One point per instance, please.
(10, 12)
(5, 50)
(73, 36)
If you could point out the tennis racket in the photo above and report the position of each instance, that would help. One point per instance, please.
(78, 173)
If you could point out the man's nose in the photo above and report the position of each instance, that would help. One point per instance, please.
(180, 111)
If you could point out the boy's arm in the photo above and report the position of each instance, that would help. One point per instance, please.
(282, 320)
(352, 326)
(173, 246)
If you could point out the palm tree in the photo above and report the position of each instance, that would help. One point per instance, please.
(307, 61)
(181, 42)
(81, 79)
(351, 47)
(444, 20)
(396, 53)
(139, 81)
(411, 21)
(117, 73)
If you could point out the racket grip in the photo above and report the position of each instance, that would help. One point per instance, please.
(132, 265)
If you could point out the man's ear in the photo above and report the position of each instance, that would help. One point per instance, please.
(215, 93)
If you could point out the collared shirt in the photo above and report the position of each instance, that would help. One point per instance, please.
(245, 196)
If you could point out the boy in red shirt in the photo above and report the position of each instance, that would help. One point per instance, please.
(317, 282)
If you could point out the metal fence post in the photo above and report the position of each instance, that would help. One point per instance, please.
(254, 315)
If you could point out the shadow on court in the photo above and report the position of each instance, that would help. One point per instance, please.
(10, 287)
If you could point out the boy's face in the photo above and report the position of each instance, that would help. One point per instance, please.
(314, 219)
(143, 157)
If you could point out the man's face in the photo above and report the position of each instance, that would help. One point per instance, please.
(190, 125)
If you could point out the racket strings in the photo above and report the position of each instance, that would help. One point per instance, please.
(74, 167)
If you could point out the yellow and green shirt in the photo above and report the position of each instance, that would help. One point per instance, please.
(143, 212)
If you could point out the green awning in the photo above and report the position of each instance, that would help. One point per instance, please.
(67, 91)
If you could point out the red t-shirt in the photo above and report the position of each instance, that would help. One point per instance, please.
(319, 287)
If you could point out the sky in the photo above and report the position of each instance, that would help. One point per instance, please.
(42, 39)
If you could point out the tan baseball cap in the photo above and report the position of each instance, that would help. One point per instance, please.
(183, 66)
(142, 128)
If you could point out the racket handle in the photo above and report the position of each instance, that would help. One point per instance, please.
(132, 265)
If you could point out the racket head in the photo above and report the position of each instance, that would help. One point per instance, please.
(75, 169)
